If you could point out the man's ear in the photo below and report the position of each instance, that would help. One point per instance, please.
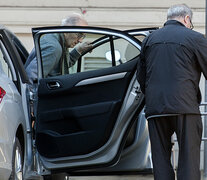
(186, 19)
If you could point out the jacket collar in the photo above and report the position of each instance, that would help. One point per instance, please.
(173, 22)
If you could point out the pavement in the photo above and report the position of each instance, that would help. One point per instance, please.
(121, 177)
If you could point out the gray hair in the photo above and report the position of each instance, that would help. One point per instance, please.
(72, 20)
(177, 11)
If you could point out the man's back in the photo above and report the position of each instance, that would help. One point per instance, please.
(172, 70)
(171, 61)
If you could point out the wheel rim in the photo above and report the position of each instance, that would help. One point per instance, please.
(18, 164)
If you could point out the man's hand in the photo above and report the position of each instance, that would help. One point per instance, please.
(84, 46)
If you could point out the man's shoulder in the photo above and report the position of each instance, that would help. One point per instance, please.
(197, 34)
(51, 40)
(176, 31)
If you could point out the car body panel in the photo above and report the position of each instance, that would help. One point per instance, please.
(9, 122)
(12, 117)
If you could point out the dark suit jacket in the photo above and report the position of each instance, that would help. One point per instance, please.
(171, 61)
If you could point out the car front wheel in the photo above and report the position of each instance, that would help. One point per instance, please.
(56, 177)
(17, 162)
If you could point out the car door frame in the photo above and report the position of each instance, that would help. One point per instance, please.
(108, 154)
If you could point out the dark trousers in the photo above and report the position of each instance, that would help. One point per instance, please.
(188, 129)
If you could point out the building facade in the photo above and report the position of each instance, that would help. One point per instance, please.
(21, 15)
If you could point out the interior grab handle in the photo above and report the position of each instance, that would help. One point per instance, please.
(53, 85)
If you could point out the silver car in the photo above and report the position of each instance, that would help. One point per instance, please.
(88, 121)
(12, 118)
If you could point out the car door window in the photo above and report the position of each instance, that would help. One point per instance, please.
(102, 56)
(58, 58)
(96, 59)
(127, 51)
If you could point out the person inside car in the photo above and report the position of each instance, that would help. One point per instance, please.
(56, 58)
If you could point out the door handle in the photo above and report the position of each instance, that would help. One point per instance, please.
(53, 85)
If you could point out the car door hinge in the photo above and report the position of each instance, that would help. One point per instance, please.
(137, 92)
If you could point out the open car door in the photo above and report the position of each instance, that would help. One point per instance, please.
(87, 116)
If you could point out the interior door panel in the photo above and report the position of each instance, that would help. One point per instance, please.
(77, 116)
(83, 118)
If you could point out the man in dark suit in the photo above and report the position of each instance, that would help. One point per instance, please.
(171, 61)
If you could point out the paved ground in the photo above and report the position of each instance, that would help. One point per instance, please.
(131, 177)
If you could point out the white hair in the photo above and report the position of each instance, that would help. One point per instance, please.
(72, 20)
(180, 10)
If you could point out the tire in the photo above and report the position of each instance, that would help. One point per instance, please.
(17, 162)
(56, 177)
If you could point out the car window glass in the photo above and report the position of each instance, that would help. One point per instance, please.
(96, 59)
(127, 51)
(101, 56)
(3, 62)
(68, 53)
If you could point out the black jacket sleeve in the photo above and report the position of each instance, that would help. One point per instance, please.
(141, 68)
(201, 53)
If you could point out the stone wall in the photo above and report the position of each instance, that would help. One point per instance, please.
(21, 15)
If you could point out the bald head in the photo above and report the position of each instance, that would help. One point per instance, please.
(74, 19)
